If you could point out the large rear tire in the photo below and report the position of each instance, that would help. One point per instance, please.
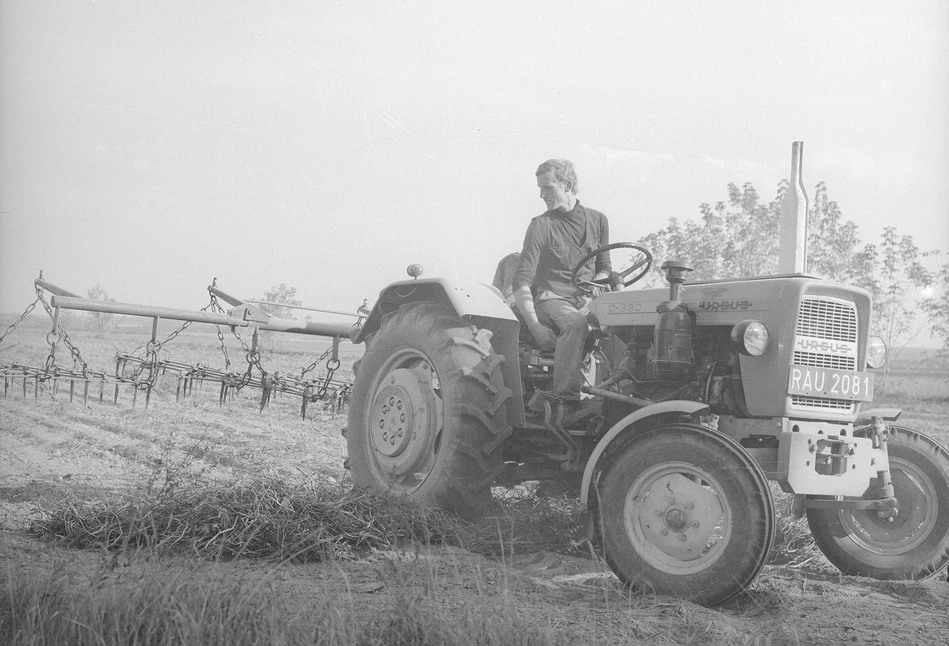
(428, 411)
(915, 544)
(685, 512)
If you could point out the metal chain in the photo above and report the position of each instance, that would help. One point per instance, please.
(252, 356)
(318, 359)
(253, 360)
(73, 350)
(152, 348)
(216, 307)
(331, 367)
(174, 334)
(26, 312)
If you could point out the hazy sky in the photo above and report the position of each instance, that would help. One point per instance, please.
(150, 147)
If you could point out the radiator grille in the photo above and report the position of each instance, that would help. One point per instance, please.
(818, 360)
(819, 403)
(827, 319)
(832, 320)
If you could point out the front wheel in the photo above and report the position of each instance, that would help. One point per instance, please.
(428, 411)
(685, 512)
(914, 544)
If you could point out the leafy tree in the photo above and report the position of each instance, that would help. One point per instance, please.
(896, 285)
(102, 322)
(936, 307)
(833, 247)
(283, 294)
(734, 238)
(740, 236)
(286, 295)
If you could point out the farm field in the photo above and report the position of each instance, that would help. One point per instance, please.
(59, 456)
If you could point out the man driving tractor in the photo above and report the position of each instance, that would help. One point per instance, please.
(547, 297)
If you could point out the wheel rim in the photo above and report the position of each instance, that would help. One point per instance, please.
(916, 499)
(405, 419)
(676, 520)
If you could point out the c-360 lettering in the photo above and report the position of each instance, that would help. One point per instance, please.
(624, 308)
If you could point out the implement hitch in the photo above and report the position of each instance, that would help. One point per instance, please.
(885, 504)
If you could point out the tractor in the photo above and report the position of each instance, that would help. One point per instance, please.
(695, 396)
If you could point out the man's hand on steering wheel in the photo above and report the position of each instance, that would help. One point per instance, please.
(625, 277)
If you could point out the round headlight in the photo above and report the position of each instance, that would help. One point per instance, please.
(751, 337)
(876, 352)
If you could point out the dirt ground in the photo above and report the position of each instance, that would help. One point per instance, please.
(50, 447)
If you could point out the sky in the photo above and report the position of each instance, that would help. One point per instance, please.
(152, 147)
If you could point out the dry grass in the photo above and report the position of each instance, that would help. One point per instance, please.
(267, 520)
(275, 522)
(158, 610)
(793, 542)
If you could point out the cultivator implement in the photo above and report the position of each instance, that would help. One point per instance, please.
(143, 373)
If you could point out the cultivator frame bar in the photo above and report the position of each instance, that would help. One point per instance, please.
(144, 373)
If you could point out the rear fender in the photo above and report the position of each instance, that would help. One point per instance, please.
(478, 303)
(628, 425)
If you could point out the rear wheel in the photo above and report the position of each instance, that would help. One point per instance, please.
(428, 411)
(685, 512)
(915, 544)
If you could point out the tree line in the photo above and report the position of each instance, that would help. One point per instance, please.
(739, 237)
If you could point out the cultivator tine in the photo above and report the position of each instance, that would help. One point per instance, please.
(264, 393)
(178, 391)
(115, 399)
(36, 389)
(85, 394)
(101, 390)
(148, 395)
(24, 386)
(72, 390)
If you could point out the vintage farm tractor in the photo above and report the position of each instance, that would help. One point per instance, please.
(698, 395)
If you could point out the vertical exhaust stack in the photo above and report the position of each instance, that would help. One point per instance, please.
(792, 252)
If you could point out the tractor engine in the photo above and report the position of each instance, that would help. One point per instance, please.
(768, 346)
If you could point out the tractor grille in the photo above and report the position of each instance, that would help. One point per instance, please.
(831, 320)
(827, 319)
(824, 361)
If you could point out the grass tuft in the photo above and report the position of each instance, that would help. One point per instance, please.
(277, 522)
(267, 520)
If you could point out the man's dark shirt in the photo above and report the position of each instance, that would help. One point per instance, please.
(554, 244)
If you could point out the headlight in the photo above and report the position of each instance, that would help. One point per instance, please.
(751, 337)
(876, 352)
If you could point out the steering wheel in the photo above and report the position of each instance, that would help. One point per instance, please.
(642, 264)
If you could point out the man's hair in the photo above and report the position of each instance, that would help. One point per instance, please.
(563, 173)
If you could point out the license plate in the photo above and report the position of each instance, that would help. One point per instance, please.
(831, 384)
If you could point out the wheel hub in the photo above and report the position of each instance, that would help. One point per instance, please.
(913, 522)
(679, 517)
(394, 411)
(402, 419)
